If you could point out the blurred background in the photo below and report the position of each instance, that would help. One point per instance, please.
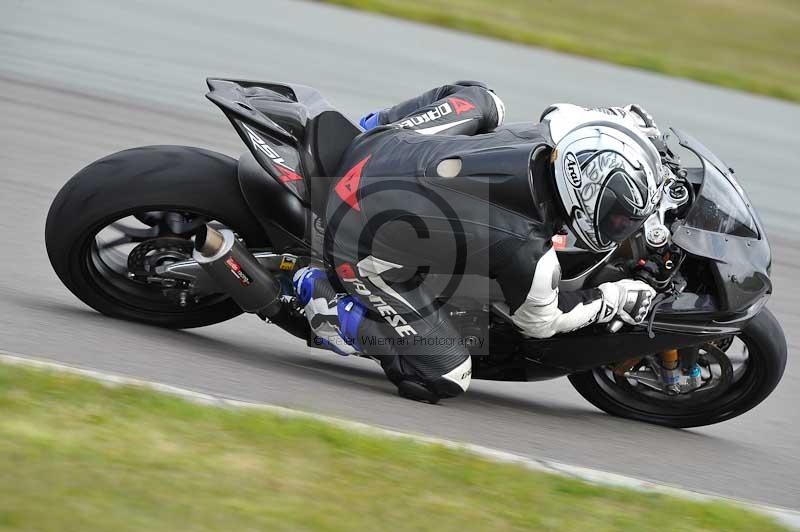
(83, 78)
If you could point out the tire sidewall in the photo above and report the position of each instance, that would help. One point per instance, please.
(149, 178)
(768, 350)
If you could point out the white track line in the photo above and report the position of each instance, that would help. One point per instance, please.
(786, 517)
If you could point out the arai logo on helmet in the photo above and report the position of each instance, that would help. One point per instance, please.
(572, 169)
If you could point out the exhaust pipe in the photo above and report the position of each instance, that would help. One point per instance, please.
(236, 271)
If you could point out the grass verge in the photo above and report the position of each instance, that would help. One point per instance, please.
(76, 455)
(752, 46)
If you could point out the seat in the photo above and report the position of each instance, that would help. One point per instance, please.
(328, 135)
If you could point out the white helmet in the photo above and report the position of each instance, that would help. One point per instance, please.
(608, 176)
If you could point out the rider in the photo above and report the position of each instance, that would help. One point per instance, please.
(433, 178)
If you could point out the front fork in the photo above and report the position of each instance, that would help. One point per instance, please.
(676, 371)
(671, 371)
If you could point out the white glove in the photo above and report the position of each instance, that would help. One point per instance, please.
(565, 117)
(637, 116)
(644, 120)
(627, 299)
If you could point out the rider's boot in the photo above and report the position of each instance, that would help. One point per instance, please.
(333, 317)
(411, 385)
(435, 366)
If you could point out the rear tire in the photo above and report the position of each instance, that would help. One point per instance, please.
(768, 351)
(152, 178)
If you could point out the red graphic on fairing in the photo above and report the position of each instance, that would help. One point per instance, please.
(347, 187)
(460, 105)
(287, 174)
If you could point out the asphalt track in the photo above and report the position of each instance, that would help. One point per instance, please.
(80, 79)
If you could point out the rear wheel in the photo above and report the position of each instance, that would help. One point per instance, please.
(737, 375)
(120, 218)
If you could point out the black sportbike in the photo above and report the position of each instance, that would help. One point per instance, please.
(180, 237)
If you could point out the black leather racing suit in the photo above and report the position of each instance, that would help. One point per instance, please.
(435, 188)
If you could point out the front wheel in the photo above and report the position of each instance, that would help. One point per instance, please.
(738, 375)
(119, 219)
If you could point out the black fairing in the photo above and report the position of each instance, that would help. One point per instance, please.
(588, 349)
(271, 123)
(740, 265)
(291, 130)
(282, 215)
(534, 359)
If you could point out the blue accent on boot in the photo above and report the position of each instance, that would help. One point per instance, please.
(304, 285)
(369, 121)
(351, 313)
(695, 371)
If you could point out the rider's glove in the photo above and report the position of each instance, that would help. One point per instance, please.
(644, 120)
(636, 115)
(627, 299)
(572, 116)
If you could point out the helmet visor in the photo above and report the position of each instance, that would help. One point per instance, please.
(614, 218)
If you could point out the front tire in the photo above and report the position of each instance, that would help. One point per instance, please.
(135, 181)
(767, 348)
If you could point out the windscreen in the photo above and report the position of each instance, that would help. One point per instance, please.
(720, 208)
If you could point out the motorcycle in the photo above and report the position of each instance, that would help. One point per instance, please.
(181, 237)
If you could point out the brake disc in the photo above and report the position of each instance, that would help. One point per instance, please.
(716, 384)
(144, 258)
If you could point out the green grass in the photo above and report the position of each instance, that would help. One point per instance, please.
(75, 455)
(742, 44)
